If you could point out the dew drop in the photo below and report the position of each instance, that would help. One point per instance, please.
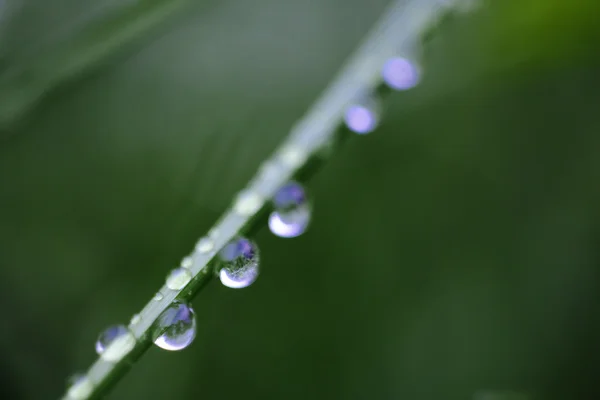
(362, 117)
(292, 156)
(239, 263)
(205, 245)
(175, 327)
(400, 73)
(80, 387)
(114, 343)
(135, 319)
(158, 296)
(187, 262)
(292, 211)
(248, 203)
(178, 278)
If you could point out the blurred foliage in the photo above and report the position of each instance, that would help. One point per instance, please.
(453, 254)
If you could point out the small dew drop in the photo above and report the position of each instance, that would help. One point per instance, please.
(135, 319)
(239, 263)
(158, 296)
(108, 336)
(80, 387)
(248, 203)
(400, 73)
(178, 278)
(292, 156)
(292, 211)
(362, 117)
(187, 262)
(175, 327)
(114, 343)
(205, 245)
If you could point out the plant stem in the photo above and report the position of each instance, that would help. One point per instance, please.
(310, 142)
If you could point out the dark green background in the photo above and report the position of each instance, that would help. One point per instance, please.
(453, 253)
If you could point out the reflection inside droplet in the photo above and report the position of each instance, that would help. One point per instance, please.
(400, 73)
(291, 213)
(108, 336)
(176, 327)
(239, 263)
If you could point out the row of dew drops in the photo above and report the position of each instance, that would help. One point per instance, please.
(238, 262)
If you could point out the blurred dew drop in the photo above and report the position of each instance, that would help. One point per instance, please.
(205, 245)
(114, 343)
(362, 117)
(80, 387)
(135, 319)
(108, 336)
(175, 327)
(158, 296)
(400, 73)
(187, 262)
(239, 263)
(178, 278)
(292, 211)
(248, 203)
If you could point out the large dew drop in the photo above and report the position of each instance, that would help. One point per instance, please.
(114, 343)
(292, 211)
(176, 327)
(239, 263)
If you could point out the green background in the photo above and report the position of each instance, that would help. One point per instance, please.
(453, 252)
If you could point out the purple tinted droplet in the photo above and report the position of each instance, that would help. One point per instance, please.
(289, 195)
(239, 263)
(361, 119)
(291, 213)
(108, 336)
(176, 327)
(400, 73)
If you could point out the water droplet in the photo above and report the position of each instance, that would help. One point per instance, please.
(248, 203)
(178, 278)
(187, 262)
(362, 117)
(292, 156)
(240, 260)
(80, 387)
(205, 245)
(175, 327)
(114, 343)
(292, 211)
(400, 73)
(135, 319)
(158, 296)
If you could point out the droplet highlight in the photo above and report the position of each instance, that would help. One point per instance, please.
(175, 327)
(362, 117)
(135, 319)
(114, 343)
(178, 278)
(205, 245)
(158, 296)
(292, 211)
(80, 387)
(239, 265)
(400, 73)
(108, 336)
(292, 156)
(187, 262)
(248, 203)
